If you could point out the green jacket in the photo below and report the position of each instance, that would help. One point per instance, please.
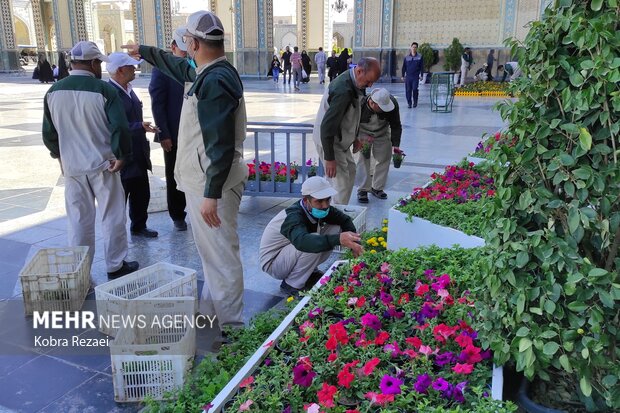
(213, 124)
(391, 119)
(301, 229)
(341, 120)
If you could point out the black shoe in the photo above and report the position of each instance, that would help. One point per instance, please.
(180, 225)
(415, 104)
(288, 290)
(409, 106)
(362, 197)
(378, 193)
(313, 279)
(127, 268)
(145, 232)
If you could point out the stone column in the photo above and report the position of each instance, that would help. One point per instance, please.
(152, 22)
(9, 56)
(373, 34)
(251, 25)
(310, 24)
(39, 31)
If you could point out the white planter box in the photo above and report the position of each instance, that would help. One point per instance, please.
(476, 160)
(422, 233)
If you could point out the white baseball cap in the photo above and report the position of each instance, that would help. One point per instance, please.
(119, 59)
(85, 50)
(177, 37)
(202, 23)
(382, 98)
(317, 187)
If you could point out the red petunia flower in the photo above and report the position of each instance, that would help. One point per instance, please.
(326, 395)
(370, 365)
(463, 368)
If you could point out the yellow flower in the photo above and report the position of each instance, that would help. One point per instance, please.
(385, 221)
(373, 251)
(384, 244)
(384, 229)
(580, 331)
(288, 300)
(380, 239)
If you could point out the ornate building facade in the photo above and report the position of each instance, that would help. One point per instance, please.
(381, 28)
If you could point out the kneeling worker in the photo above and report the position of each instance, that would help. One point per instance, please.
(303, 236)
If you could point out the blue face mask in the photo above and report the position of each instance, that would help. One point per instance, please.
(319, 213)
(191, 62)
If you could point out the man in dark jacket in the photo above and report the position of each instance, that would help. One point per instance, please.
(286, 63)
(166, 102)
(134, 175)
(413, 65)
(302, 236)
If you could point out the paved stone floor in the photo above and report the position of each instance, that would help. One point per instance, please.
(32, 216)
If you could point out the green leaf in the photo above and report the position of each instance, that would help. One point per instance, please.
(585, 139)
(565, 363)
(606, 299)
(522, 332)
(597, 272)
(573, 220)
(524, 344)
(596, 6)
(549, 306)
(520, 303)
(548, 334)
(610, 381)
(585, 353)
(522, 259)
(551, 348)
(586, 387)
(566, 159)
(577, 306)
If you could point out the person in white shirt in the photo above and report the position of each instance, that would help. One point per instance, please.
(320, 58)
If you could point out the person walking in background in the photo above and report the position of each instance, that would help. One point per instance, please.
(301, 237)
(297, 66)
(210, 167)
(275, 68)
(466, 62)
(306, 66)
(413, 66)
(122, 70)
(46, 74)
(337, 124)
(85, 128)
(343, 61)
(320, 59)
(63, 70)
(286, 63)
(166, 102)
(332, 66)
(490, 61)
(380, 120)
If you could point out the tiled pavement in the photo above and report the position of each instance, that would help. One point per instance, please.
(32, 217)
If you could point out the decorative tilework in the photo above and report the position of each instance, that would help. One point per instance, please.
(74, 34)
(304, 24)
(386, 37)
(473, 22)
(328, 27)
(57, 36)
(527, 12)
(38, 25)
(261, 25)
(213, 6)
(7, 37)
(372, 23)
(269, 14)
(238, 24)
(158, 24)
(509, 18)
(250, 23)
(138, 27)
(359, 22)
(166, 13)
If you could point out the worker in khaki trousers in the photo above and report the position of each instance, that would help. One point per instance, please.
(210, 168)
(380, 120)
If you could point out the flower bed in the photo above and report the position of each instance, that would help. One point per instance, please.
(277, 172)
(495, 89)
(448, 211)
(484, 147)
(385, 333)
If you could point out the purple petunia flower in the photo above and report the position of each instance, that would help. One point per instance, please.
(457, 392)
(302, 375)
(444, 358)
(287, 409)
(441, 384)
(390, 385)
(372, 321)
(422, 383)
(314, 313)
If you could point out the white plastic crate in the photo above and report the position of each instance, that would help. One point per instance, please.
(358, 214)
(153, 359)
(158, 201)
(56, 279)
(123, 295)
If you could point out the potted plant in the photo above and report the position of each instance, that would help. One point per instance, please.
(453, 58)
(367, 147)
(397, 157)
(428, 55)
(552, 277)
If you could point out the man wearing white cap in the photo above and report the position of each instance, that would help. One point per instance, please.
(166, 102)
(134, 175)
(85, 128)
(302, 236)
(380, 121)
(210, 168)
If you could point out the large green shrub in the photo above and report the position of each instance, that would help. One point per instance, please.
(552, 281)
(453, 55)
(428, 55)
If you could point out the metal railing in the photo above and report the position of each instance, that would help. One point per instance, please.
(272, 142)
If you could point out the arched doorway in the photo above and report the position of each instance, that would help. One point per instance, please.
(22, 35)
(338, 40)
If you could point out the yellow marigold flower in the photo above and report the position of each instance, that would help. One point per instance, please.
(380, 239)
(385, 221)
(384, 229)
(288, 300)
(373, 251)
(384, 244)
